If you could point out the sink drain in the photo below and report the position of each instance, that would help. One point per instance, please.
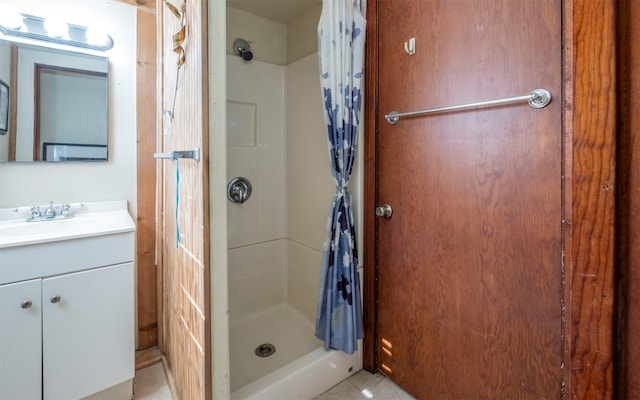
(265, 350)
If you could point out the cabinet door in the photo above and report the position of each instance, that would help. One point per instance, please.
(88, 332)
(20, 340)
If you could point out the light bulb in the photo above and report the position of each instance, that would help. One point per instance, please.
(56, 28)
(10, 18)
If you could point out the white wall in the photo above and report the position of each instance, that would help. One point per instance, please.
(218, 201)
(256, 151)
(23, 184)
(268, 39)
(310, 186)
(302, 35)
(274, 42)
(255, 91)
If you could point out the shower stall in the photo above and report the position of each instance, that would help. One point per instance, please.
(276, 142)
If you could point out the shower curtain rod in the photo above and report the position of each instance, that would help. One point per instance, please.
(538, 98)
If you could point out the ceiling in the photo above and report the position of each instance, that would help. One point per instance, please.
(277, 10)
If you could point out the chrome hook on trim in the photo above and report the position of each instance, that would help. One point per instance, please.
(410, 46)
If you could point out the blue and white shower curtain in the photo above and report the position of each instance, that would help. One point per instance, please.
(341, 38)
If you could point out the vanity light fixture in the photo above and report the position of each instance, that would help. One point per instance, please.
(21, 25)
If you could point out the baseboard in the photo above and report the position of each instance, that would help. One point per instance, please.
(147, 357)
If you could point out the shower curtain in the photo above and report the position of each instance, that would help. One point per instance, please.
(341, 37)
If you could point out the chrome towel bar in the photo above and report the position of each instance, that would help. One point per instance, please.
(174, 155)
(538, 98)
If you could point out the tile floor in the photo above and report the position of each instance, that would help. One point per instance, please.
(150, 383)
(365, 385)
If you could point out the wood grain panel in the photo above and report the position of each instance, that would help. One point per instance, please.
(470, 275)
(185, 263)
(146, 94)
(588, 110)
(370, 169)
(591, 266)
(628, 199)
(147, 4)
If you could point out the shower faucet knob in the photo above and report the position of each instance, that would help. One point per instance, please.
(238, 190)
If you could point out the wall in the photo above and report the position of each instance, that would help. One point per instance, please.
(218, 201)
(256, 151)
(268, 39)
(302, 35)
(37, 183)
(310, 186)
(271, 41)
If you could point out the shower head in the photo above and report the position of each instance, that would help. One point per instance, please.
(242, 48)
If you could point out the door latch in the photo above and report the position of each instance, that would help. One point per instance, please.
(384, 210)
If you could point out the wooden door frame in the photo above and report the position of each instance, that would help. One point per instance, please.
(147, 276)
(147, 281)
(627, 251)
(588, 194)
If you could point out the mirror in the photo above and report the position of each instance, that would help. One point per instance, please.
(57, 104)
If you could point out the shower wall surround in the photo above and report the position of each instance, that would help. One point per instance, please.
(310, 186)
(275, 138)
(256, 151)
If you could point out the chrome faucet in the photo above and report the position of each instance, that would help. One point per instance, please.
(50, 212)
(65, 210)
(35, 212)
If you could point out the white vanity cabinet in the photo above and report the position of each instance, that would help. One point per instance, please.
(76, 334)
(67, 317)
(87, 339)
(20, 340)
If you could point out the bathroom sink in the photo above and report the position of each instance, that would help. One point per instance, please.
(97, 234)
(19, 232)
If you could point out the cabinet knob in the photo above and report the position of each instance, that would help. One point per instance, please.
(55, 299)
(26, 304)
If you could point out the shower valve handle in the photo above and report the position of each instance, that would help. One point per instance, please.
(238, 190)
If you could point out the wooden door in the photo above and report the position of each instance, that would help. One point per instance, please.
(184, 195)
(470, 275)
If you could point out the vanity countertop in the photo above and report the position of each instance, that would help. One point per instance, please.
(89, 219)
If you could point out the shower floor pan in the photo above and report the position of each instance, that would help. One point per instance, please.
(284, 327)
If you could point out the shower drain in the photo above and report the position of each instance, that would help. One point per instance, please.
(265, 350)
